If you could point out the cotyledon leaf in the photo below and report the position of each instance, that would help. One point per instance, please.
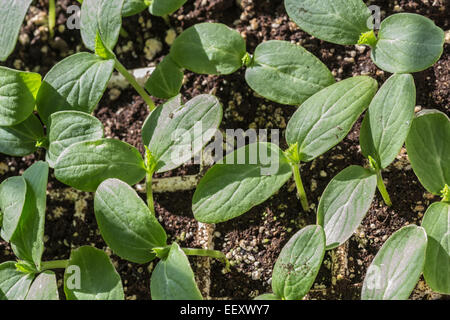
(12, 13)
(209, 48)
(267, 296)
(176, 139)
(18, 91)
(286, 73)
(20, 140)
(407, 43)
(12, 202)
(436, 223)
(14, 284)
(244, 179)
(68, 88)
(298, 264)
(69, 127)
(44, 287)
(104, 17)
(126, 223)
(327, 117)
(173, 278)
(344, 203)
(84, 165)
(90, 275)
(388, 119)
(132, 7)
(335, 21)
(428, 149)
(397, 267)
(166, 80)
(165, 7)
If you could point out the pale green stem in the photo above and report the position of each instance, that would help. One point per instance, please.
(119, 67)
(300, 189)
(55, 264)
(382, 189)
(216, 254)
(51, 17)
(150, 202)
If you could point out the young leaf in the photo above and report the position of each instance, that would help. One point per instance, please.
(298, 264)
(173, 278)
(132, 7)
(14, 284)
(98, 278)
(428, 149)
(165, 7)
(126, 223)
(166, 80)
(104, 17)
(44, 287)
(69, 127)
(209, 48)
(286, 73)
(86, 164)
(68, 88)
(387, 122)
(396, 268)
(176, 139)
(344, 203)
(407, 43)
(27, 241)
(245, 178)
(335, 21)
(12, 202)
(12, 13)
(327, 117)
(17, 95)
(20, 140)
(436, 223)
(267, 296)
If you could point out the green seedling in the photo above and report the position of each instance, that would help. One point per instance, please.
(297, 265)
(22, 206)
(230, 188)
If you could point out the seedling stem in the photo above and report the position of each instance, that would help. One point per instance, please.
(382, 189)
(150, 165)
(55, 264)
(51, 17)
(300, 189)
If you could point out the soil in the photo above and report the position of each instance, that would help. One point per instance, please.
(254, 240)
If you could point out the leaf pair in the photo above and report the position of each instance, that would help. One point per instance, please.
(231, 188)
(406, 42)
(298, 264)
(279, 71)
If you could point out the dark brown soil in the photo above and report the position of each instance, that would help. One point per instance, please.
(254, 240)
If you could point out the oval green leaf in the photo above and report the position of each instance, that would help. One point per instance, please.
(85, 165)
(388, 119)
(286, 73)
(14, 284)
(428, 149)
(335, 21)
(68, 88)
(104, 17)
(267, 296)
(436, 223)
(166, 80)
(20, 140)
(344, 203)
(18, 91)
(408, 43)
(126, 223)
(186, 130)
(12, 202)
(298, 264)
(397, 267)
(12, 13)
(327, 117)
(132, 7)
(209, 48)
(173, 278)
(69, 127)
(98, 279)
(165, 7)
(245, 178)
(44, 287)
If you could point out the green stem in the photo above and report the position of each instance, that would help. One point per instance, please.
(382, 189)
(51, 17)
(300, 189)
(119, 67)
(55, 264)
(216, 254)
(150, 202)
